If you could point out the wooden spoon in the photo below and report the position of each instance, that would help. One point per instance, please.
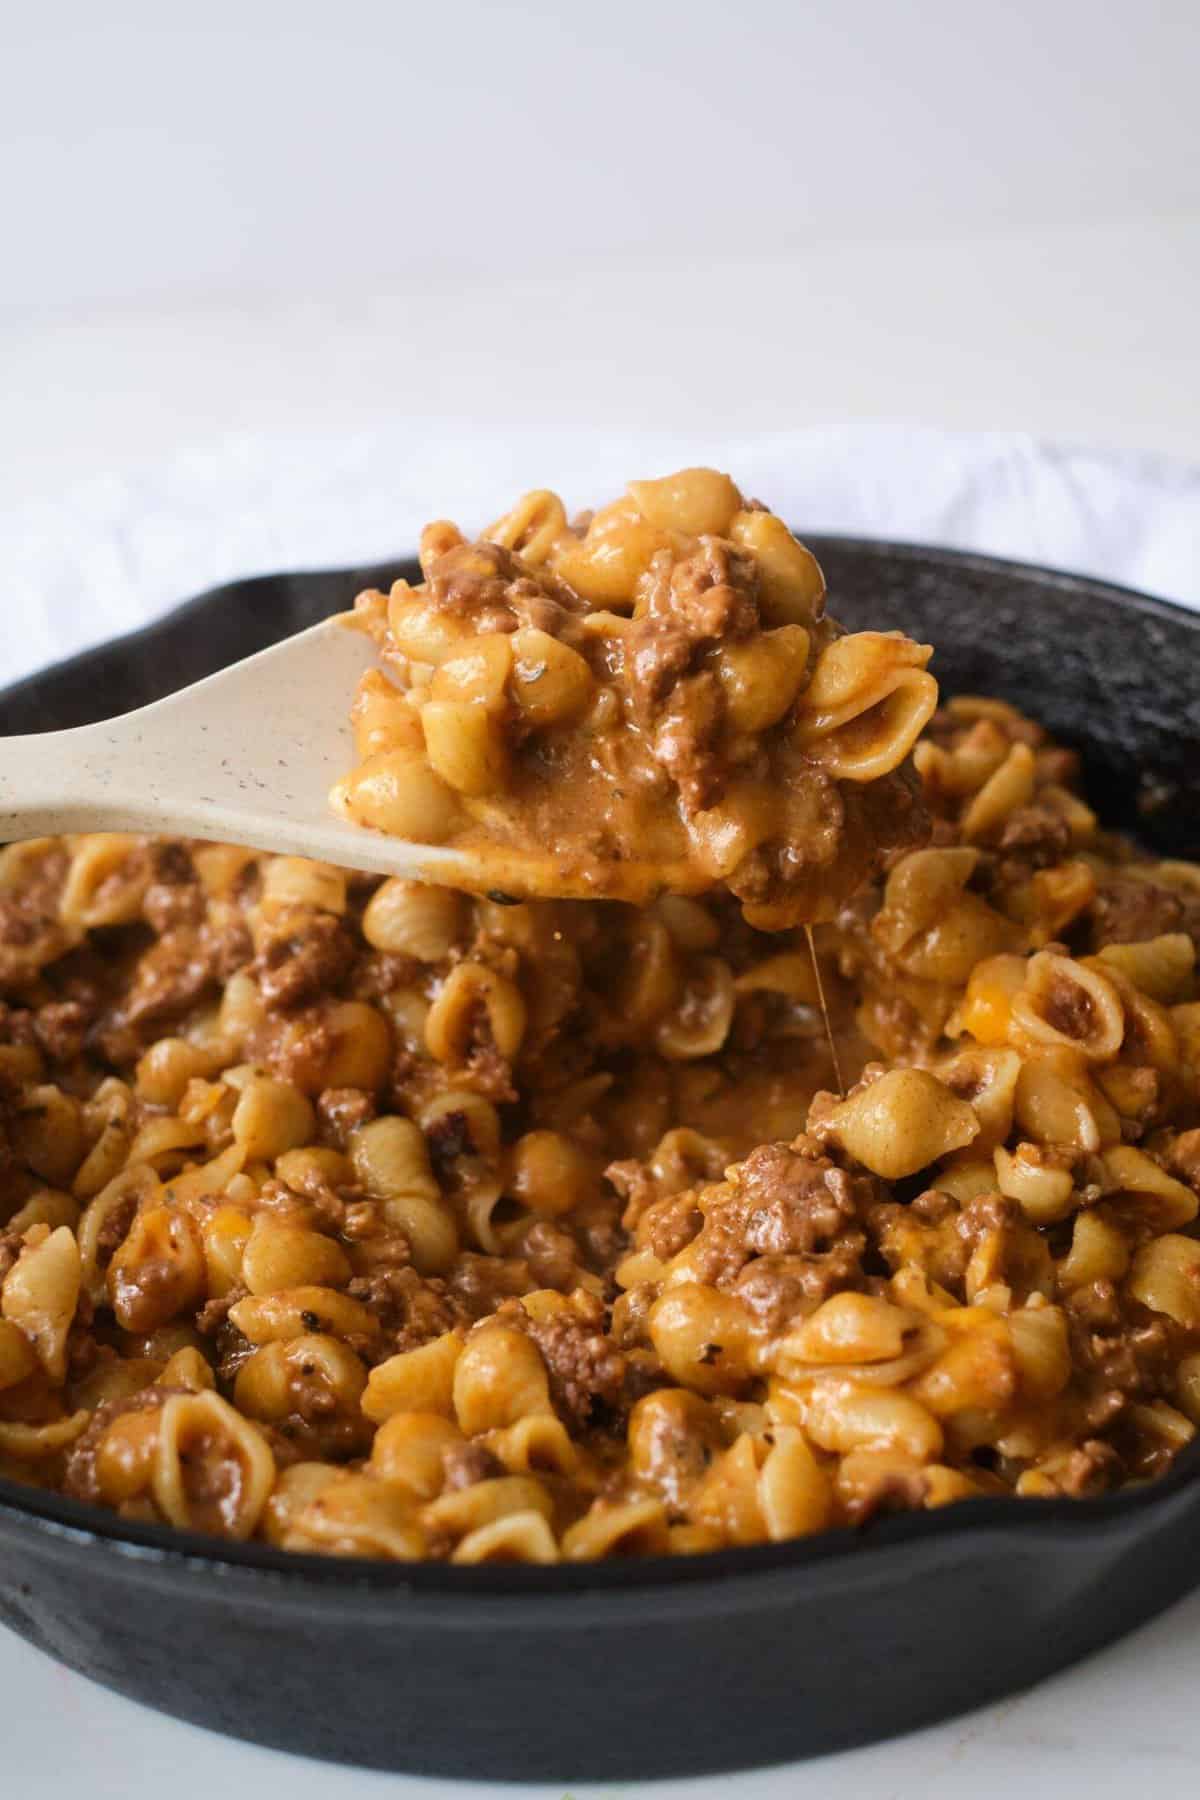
(246, 756)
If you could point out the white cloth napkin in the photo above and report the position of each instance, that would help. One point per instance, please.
(119, 550)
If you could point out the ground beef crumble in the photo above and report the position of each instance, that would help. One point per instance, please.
(465, 1464)
(341, 1111)
(587, 1369)
(79, 1478)
(793, 1198)
(301, 958)
(1128, 910)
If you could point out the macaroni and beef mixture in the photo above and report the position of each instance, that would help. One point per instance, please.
(376, 1219)
(650, 699)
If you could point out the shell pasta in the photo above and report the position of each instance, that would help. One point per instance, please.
(650, 699)
(368, 1218)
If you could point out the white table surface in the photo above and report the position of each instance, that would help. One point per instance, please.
(1084, 333)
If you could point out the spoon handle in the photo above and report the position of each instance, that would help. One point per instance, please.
(253, 748)
(246, 757)
(58, 781)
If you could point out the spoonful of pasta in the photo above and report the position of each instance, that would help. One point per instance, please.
(649, 699)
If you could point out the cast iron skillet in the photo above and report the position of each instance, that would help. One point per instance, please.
(661, 1667)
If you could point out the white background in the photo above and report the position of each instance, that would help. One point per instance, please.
(231, 228)
(254, 216)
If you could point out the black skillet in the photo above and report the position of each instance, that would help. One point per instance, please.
(665, 1667)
